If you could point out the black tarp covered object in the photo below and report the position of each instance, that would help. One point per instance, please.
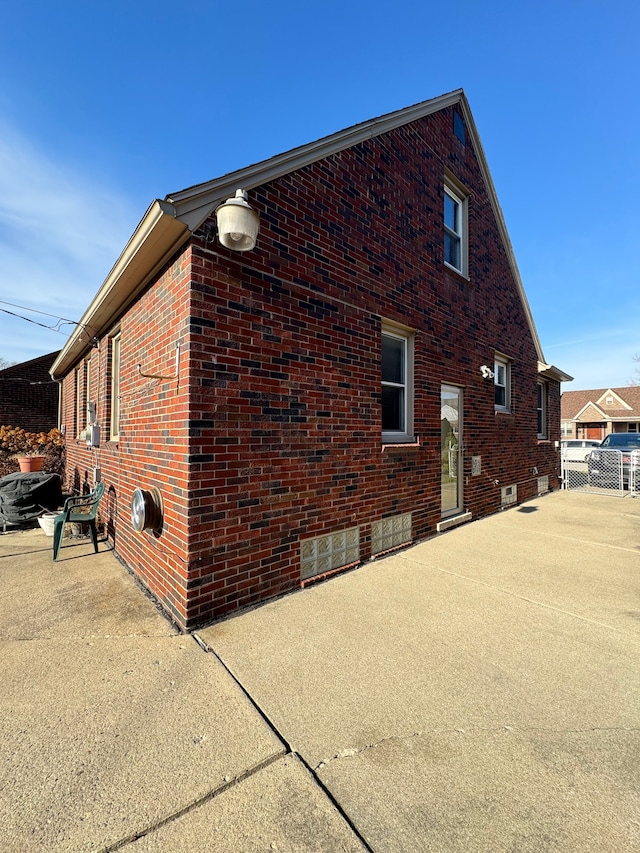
(24, 497)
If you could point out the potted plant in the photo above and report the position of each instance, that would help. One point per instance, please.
(30, 461)
(29, 450)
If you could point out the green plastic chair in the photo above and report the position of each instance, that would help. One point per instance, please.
(81, 509)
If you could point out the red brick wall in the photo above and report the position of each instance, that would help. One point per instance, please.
(153, 444)
(28, 396)
(274, 434)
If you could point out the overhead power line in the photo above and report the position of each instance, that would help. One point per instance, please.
(55, 327)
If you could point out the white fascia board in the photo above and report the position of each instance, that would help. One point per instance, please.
(502, 227)
(551, 372)
(589, 405)
(158, 236)
(611, 393)
(195, 204)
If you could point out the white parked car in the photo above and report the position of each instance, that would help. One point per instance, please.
(577, 449)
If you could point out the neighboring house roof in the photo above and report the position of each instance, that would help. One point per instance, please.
(28, 397)
(169, 222)
(35, 370)
(601, 404)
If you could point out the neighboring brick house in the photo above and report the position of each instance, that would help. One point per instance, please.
(594, 414)
(28, 395)
(368, 375)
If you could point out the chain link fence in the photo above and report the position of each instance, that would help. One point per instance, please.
(602, 471)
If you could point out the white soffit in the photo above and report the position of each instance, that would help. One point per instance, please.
(167, 224)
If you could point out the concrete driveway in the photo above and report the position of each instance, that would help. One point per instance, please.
(118, 733)
(477, 692)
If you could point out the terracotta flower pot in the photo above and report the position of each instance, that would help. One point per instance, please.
(30, 463)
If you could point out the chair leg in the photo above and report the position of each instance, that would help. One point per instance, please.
(94, 535)
(58, 530)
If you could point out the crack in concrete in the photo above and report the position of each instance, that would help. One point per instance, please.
(349, 752)
(509, 593)
(210, 795)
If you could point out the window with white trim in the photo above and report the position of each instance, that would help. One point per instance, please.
(87, 392)
(79, 395)
(83, 389)
(455, 229)
(542, 410)
(502, 384)
(114, 424)
(397, 383)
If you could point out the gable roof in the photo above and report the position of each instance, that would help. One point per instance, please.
(168, 223)
(39, 364)
(592, 405)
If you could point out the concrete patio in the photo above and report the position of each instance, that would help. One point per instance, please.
(476, 692)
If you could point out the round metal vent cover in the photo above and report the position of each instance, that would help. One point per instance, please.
(146, 510)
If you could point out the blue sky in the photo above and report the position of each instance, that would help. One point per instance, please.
(106, 106)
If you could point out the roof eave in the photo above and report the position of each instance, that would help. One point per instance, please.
(168, 223)
(158, 236)
(549, 371)
(194, 204)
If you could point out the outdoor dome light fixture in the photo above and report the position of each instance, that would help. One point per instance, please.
(486, 372)
(238, 223)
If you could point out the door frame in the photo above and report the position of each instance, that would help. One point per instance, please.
(447, 511)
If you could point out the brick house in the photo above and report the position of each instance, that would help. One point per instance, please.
(28, 396)
(596, 413)
(367, 376)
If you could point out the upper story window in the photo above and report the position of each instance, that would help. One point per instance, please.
(114, 424)
(542, 410)
(455, 229)
(502, 384)
(458, 126)
(397, 384)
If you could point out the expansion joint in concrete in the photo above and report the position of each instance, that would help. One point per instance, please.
(288, 749)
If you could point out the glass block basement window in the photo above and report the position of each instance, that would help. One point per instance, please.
(332, 551)
(509, 495)
(390, 532)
